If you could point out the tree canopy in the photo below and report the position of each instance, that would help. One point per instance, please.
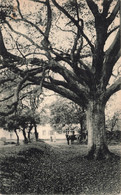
(58, 45)
(65, 113)
(70, 47)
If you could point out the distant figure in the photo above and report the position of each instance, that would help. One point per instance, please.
(54, 138)
(11, 135)
(73, 137)
(70, 135)
(51, 139)
(67, 137)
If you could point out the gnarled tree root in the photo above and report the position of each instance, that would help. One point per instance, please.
(100, 153)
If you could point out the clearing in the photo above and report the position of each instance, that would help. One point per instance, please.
(56, 168)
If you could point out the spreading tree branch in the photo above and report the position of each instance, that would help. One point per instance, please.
(106, 6)
(77, 10)
(38, 1)
(11, 111)
(7, 98)
(72, 86)
(49, 20)
(25, 20)
(3, 51)
(93, 7)
(75, 22)
(23, 35)
(111, 31)
(64, 92)
(45, 42)
(116, 86)
(111, 57)
(113, 13)
(58, 82)
(70, 76)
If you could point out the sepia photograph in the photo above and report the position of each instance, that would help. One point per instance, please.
(60, 97)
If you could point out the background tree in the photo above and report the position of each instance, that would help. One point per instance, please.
(65, 113)
(64, 47)
(112, 121)
(10, 123)
(23, 121)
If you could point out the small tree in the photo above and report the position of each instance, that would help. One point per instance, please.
(21, 120)
(27, 121)
(12, 124)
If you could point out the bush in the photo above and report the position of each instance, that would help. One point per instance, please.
(113, 137)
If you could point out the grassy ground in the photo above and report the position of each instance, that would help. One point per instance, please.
(40, 168)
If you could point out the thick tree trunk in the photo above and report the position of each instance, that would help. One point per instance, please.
(82, 130)
(17, 136)
(96, 131)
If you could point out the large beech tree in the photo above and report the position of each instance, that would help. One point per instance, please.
(62, 46)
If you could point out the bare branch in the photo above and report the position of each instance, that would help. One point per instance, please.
(93, 7)
(62, 56)
(2, 81)
(114, 48)
(11, 110)
(18, 5)
(38, 1)
(74, 48)
(16, 95)
(114, 13)
(70, 76)
(19, 50)
(64, 92)
(25, 36)
(3, 50)
(109, 33)
(49, 20)
(75, 22)
(7, 98)
(64, 30)
(106, 6)
(112, 89)
(111, 57)
(77, 11)
(25, 20)
(57, 82)
(85, 55)
(71, 85)
(45, 42)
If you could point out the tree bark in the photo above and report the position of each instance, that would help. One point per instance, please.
(17, 136)
(96, 131)
(30, 128)
(25, 137)
(36, 133)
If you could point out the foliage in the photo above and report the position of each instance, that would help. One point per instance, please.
(65, 112)
(73, 62)
(112, 121)
(113, 137)
(20, 120)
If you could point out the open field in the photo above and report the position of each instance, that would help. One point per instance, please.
(56, 168)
